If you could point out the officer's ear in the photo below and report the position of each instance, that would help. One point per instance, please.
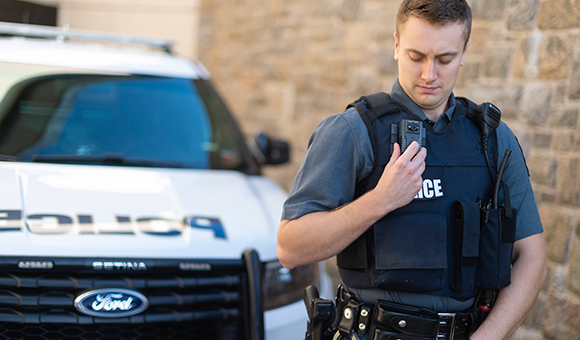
(465, 51)
(396, 46)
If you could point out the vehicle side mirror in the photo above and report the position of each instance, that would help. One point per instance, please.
(274, 151)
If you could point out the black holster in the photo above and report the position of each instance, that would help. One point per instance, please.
(321, 314)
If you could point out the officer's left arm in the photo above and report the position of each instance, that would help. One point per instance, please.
(529, 268)
(514, 301)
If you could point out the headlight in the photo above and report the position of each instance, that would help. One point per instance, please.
(284, 286)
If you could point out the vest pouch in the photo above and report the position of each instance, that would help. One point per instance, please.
(410, 252)
(495, 248)
(465, 238)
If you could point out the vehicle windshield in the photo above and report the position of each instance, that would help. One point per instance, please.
(120, 120)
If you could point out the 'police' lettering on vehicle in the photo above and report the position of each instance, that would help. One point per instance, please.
(52, 223)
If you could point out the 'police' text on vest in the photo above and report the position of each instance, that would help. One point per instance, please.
(432, 188)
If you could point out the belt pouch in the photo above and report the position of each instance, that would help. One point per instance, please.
(384, 335)
(466, 222)
(496, 246)
(393, 318)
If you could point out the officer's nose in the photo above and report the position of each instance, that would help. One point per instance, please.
(429, 72)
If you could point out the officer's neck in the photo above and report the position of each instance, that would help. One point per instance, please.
(434, 114)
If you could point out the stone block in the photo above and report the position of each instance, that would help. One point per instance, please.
(498, 62)
(575, 79)
(568, 181)
(546, 197)
(488, 9)
(381, 15)
(563, 141)
(334, 73)
(354, 41)
(316, 30)
(523, 333)
(386, 61)
(479, 38)
(471, 70)
(523, 14)
(534, 317)
(542, 140)
(559, 14)
(346, 9)
(467, 74)
(565, 118)
(557, 226)
(562, 317)
(536, 101)
(521, 58)
(555, 57)
(305, 79)
(560, 92)
(548, 283)
(362, 80)
(573, 282)
(506, 97)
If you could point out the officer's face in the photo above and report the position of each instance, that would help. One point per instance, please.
(429, 59)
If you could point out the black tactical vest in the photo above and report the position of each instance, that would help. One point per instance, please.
(432, 244)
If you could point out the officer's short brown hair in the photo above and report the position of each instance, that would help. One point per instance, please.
(436, 12)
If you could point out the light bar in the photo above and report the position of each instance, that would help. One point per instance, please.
(61, 33)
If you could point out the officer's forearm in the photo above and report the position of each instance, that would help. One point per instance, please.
(320, 235)
(514, 301)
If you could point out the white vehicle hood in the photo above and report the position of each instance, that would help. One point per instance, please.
(102, 211)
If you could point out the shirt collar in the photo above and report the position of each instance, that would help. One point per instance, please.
(399, 95)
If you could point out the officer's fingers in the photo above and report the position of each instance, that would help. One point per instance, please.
(410, 151)
(395, 155)
(420, 156)
(421, 168)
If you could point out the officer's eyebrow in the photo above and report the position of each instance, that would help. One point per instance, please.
(444, 54)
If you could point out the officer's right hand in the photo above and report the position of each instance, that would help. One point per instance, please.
(401, 179)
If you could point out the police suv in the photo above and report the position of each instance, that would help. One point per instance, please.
(131, 205)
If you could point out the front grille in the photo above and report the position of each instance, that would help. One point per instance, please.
(152, 331)
(188, 299)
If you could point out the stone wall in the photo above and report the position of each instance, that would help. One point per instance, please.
(283, 66)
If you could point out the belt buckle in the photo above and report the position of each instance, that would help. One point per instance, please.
(446, 326)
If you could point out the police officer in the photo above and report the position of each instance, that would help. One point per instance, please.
(334, 202)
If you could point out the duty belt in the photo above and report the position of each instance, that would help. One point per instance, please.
(392, 321)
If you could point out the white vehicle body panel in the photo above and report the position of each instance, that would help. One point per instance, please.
(107, 192)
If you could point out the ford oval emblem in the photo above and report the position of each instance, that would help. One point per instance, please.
(111, 303)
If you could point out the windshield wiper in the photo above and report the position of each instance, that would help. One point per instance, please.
(9, 158)
(106, 159)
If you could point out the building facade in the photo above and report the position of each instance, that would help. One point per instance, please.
(175, 20)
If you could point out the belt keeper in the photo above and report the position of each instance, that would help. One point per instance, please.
(349, 317)
(342, 298)
(363, 320)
